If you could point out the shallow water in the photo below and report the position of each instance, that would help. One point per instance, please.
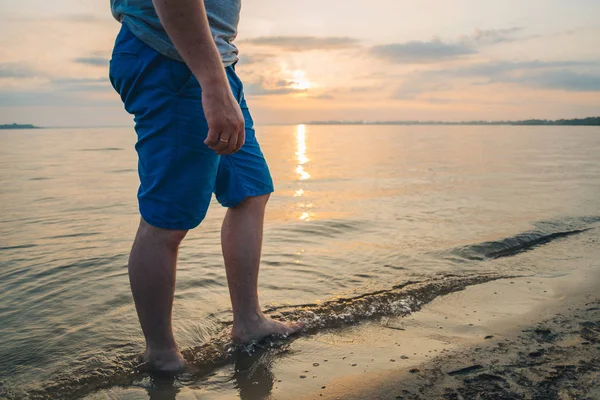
(357, 209)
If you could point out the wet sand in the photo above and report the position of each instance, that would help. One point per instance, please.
(521, 338)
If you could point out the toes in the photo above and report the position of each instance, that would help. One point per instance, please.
(268, 328)
(293, 327)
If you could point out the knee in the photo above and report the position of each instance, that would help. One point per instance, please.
(254, 202)
(169, 237)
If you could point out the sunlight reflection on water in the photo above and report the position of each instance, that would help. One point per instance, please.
(303, 175)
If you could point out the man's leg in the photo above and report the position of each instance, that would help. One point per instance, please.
(177, 176)
(241, 241)
(152, 265)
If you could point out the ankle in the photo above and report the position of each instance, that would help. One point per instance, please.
(248, 318)
(159, 349)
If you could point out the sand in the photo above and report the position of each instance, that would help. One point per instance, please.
(521, 338)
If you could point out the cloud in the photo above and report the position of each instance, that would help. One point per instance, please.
(569, 75)
(256, 89)
(362, 90)
(304, 43)
(492, 36)
(261, 88)
(322, 97)
(416, 52)
(75, 81)
(413, 86)
(85, 18)
(495, 69)
(89, 18)
(93, 61)
(60, 92)
(16, 70)
(249, 59)
(440, 101)
(559, 80)
(565, 75)
(365, 89)
(37, 98)
(423, 52)
(49, 98)
(284, 83)
(83, 84)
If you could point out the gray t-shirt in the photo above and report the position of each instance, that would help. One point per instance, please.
(141, 18)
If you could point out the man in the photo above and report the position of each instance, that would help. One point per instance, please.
(173, 66)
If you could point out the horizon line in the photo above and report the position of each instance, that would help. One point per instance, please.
(590, 121)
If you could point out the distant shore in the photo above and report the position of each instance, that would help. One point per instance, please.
(19, 126)
(591, 121)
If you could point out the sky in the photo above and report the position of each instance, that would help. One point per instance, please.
(313, 60)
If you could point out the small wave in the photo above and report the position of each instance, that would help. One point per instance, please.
(545, 232)
(325, 228)
(41, 199)
(400, 300)
(73, 235)
(21, 246)
(511, 246)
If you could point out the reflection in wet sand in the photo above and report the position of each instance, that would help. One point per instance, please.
(253, 374)
(162, 387)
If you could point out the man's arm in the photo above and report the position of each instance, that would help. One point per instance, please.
(186, 23)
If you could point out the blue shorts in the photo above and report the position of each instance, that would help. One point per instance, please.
(178, 172)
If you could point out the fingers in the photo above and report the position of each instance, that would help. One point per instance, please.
(241, 139)
(212, 139)
(222, 144)
(231, 144)
(217, 141)
(226, 143)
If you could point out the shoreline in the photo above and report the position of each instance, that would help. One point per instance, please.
(588, 121)
(537, 338)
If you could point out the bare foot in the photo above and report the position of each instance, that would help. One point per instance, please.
(166, 361)
(247, 332)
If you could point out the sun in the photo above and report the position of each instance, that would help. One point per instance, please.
(300, 81)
